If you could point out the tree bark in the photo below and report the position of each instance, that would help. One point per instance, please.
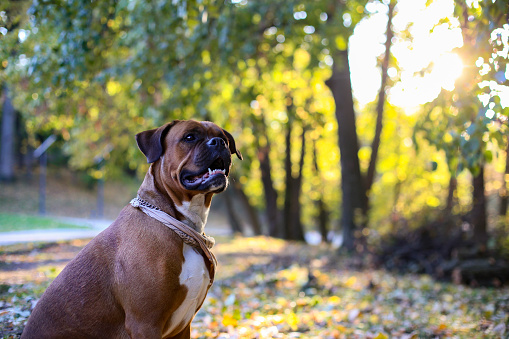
(287, 210)
(254, 221)
(7, 139)
(352, 187)
(234, 221)
(298, 229)
(323, 214)
(479, 209)
(453, 183)
(292, 209)
(370, 176)
(271, 208)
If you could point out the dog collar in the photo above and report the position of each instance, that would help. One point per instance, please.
(186, 233)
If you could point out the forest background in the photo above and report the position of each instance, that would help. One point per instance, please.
(370, 118)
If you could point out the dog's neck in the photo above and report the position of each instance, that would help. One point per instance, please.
(195, 212)
(191, 210)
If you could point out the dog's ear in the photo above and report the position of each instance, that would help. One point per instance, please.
(231, 143)
(150, 142)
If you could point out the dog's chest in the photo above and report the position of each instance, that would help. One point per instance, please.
(195, 277)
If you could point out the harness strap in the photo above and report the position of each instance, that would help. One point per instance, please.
(188, 235)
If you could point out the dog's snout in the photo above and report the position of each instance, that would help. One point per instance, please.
(216, 142)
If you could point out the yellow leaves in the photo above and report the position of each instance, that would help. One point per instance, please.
(350, 282)
(341, 328)
(205, 57)
(381, 336)
(334, 300)
(292, 320)
(227, 91)
(93, 113)
(341, 43)
(294, 274)
(432, 201)
(113, 87)
(50, 271)
(96, 174)
(228, 320)
(256, 18)
(447, 138)
(301, 58)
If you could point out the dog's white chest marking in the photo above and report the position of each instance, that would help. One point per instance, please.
(196, 278)
(195, 211)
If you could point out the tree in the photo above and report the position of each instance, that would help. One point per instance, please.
(469, 128)
(7, 140)
(355, 186)
(353, 189)
(103, 70)
(11, 21)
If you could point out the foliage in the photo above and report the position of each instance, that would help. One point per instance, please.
(463, 122)
(268, 288)
(97, 73)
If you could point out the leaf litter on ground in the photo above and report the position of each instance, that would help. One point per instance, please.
(268, 288)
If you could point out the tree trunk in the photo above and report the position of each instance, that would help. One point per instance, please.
(271, 208)
(453, 183)
(479, 209)
(254, 221)
(288, 214)
(234, 221)
(297, 229)
(504, 195)
(323, 214)
(7, 139)
(292, 209)
(370, 177)
(354, 197)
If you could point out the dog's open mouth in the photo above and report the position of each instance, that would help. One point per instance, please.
(216, 171)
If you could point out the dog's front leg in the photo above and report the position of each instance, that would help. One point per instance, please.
(142, 329)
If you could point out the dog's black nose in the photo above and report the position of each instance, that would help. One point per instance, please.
(216, 142)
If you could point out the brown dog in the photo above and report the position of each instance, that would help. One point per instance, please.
(138, 278)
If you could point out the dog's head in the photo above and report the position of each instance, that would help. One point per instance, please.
(196, 155)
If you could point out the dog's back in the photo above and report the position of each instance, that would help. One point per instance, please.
(58, 312)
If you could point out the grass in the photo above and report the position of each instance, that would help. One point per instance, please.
(17, 222)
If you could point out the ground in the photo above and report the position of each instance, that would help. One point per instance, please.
(264, 288)
(268, 288)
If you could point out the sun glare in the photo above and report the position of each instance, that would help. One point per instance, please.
(427, 63)
(447, 69)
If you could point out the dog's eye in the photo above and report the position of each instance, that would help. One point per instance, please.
(189, 137)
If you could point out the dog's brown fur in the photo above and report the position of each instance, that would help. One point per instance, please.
(126, 282)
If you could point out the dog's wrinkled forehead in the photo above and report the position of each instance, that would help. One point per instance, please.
(201, 129)
(168, 137)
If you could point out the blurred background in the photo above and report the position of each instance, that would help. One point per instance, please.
(378, 125)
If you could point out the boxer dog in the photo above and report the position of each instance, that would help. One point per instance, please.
(148, 273)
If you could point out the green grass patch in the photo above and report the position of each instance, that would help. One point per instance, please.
(17, 222)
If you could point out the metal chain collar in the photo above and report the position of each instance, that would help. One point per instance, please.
(169, 221)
